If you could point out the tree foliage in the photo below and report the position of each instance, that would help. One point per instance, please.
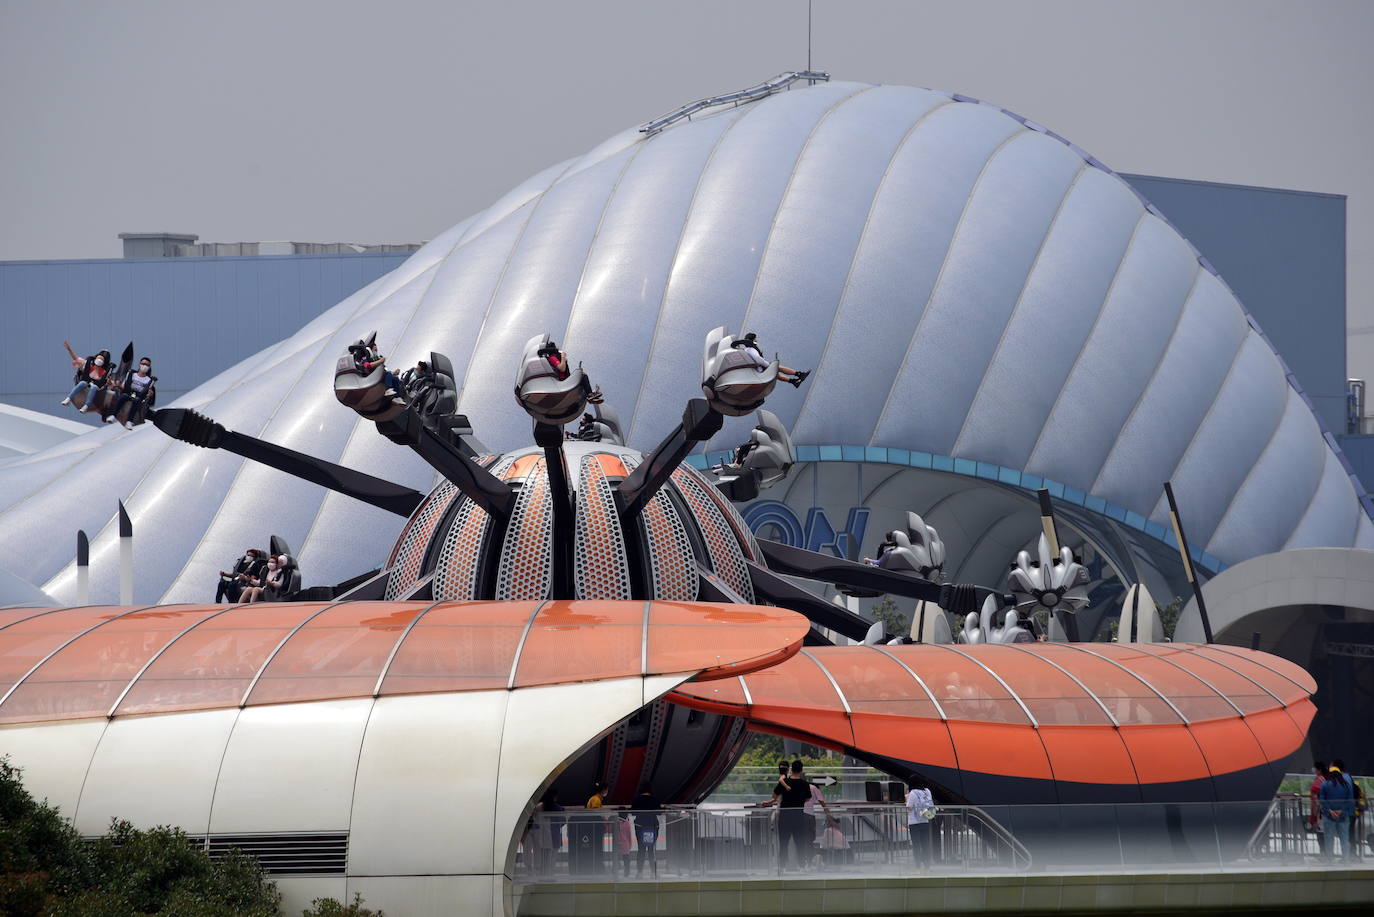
(331, 907)
(47, 870)
(893, 618)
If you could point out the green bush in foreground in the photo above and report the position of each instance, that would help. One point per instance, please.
(47, 870)
(328, 907)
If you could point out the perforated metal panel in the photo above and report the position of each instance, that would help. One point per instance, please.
(460, 557)
(727, 558)
(526, 570)
(746, 537)
(672, 564)
(601, 569)
(410, 550)
(658, 721)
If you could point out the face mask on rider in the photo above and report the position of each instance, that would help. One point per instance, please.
(99, 361)
(272, 564)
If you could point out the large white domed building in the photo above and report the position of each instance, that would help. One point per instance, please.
(987, 310)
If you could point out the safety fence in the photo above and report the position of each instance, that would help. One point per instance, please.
(854, 839)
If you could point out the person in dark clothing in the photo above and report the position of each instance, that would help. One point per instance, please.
(232, 582)
(646, 807)
(1337, 798)
(137, 389)
(90, 376)
(791, 793)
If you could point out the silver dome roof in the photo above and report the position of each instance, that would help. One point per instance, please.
(962, 281)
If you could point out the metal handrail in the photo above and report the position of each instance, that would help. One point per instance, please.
(767, 88)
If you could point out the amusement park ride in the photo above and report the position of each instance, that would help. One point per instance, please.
(588, 518)
(579, 611)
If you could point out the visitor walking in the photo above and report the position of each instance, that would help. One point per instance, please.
(794, 826)
(1314, 817)
(920, 809)
(1337, 797)
(646, 807)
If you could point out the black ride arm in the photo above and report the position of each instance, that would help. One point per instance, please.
(489, 492)
(198, 430)
(957, 599)
(699, 423)
(775, 589)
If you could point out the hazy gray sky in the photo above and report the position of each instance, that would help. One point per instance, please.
(371, 121)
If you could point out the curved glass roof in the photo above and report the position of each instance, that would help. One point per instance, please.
(1103, 713)
(70, 663)
(1045, 684)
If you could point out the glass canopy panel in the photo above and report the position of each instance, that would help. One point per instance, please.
(964, 689)
(1260, 672)
(26, 643)
(797, 694)
(9, 616)
(582, 641)
(798, 682)
(215, 662)
(459, 646)
(1194, 699)
(1051, 696)
(1132, 702)
(1241, 691)
(338, 653)
(685, 637)
(874, 682)
(85, 677)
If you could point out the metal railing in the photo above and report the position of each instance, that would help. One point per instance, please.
(753, 93)
(1290, 834)
(576, 845)
(857, 839)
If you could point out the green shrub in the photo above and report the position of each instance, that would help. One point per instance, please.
(47, 869)
(330, 907)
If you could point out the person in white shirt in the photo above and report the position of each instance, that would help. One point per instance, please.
(920, 809)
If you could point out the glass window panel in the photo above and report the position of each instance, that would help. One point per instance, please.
(798, 682)
(214, 663)
(1272, 680)
(1241, 691)
(86, 676)
(26, 643)
(874, 682)
(459, 646)
(9, 616)
(1194, 699)
(965, 689)
(1130, 700)
(1051, 696)
(684, 637)
(582, 641)
(338, 653)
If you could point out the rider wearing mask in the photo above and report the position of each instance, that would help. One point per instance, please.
(136, 391)
(90, 374)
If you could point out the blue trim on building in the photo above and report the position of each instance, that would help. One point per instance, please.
(1011, 477)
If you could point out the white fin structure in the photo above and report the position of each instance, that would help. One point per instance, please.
(1139, 617)
(1049, 584)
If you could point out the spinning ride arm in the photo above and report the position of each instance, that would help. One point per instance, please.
(198, 430)
(784, 559)
(485, 489)
(699, 423)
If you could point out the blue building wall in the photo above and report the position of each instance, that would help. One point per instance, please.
(193, 316)
(1283, 253)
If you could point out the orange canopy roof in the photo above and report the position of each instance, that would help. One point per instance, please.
(69, 663)
(1091, 713)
